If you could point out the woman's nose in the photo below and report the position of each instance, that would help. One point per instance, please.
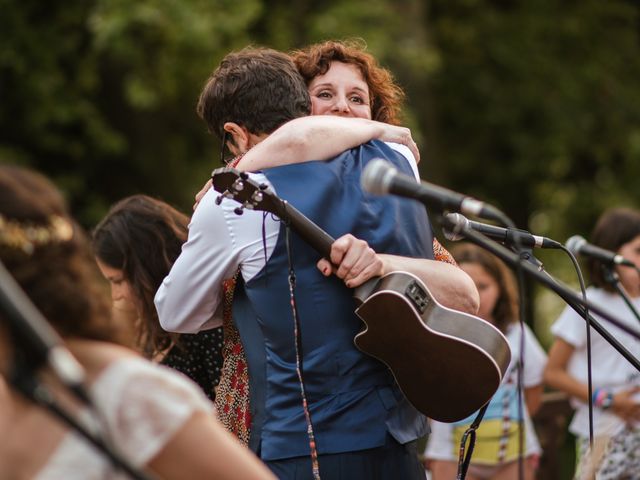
(341, 105)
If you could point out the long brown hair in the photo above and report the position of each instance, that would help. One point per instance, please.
(143, 236)
(506, 309)
(50, 257)
(386, 96)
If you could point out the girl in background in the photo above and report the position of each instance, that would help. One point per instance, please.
(496, 450)
(616, 405)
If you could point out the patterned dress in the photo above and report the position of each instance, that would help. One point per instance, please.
(232, 394)
(199, 357)
(441, 254)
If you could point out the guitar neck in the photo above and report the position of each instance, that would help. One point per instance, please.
(311, 233)
(320, 240)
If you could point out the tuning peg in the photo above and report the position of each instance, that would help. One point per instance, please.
(238, 185)
(263, 186)
(238, 210)
(244, 175)
(225, 194)
(257, 196)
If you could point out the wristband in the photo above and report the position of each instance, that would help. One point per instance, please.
(602, 398)
(596, 397)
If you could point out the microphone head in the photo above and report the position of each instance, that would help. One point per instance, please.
(458, 221)
(377, 176)
(575, 244)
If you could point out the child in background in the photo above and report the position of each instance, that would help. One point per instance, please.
(496, 450)
(616, 411)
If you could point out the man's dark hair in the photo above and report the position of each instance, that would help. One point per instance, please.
(614, 228)
(257, 88)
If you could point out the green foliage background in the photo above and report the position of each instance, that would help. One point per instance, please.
(533, 106)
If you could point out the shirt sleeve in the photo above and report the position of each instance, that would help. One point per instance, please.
(219, 243)
(189, 298)
(570, 328)
(405, 152)
(152, 404)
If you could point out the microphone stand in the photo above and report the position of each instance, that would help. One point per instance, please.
(613, 279)
(567, 294)
(24, 380)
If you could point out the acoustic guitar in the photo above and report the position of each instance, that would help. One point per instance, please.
(447, 363)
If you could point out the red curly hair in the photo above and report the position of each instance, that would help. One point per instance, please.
(386, 96)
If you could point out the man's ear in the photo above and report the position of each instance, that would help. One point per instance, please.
(239, 138)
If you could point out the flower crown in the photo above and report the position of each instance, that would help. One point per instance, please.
(28, 236)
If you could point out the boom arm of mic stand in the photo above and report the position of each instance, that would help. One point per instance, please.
(24, 381)
(569, 296)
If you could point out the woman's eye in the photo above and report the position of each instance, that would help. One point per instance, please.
(324, 95)
(357, 99)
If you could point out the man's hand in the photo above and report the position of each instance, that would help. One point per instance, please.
(200, 194)
(352, 260)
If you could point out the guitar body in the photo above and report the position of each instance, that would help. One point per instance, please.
(448, 364)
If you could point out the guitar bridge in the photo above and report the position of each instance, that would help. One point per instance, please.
(418, 296)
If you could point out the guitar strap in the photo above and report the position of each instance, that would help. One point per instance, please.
(470, 433)
(315, 467)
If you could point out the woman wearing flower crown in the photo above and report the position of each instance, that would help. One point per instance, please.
(157, 419)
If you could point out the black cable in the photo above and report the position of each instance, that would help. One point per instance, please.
(612, 278)
(588, 325)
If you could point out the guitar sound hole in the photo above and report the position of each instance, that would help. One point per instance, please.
(418, 296)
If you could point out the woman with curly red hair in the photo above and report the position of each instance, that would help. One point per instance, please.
(330, 60)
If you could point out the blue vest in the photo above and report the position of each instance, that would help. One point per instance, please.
(353, 398)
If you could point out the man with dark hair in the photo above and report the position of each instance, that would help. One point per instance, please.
(351, 410)
(255, 88)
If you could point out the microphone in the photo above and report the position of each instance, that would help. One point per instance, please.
(380, 177)
(579, 246)
(39, 339)
(507, 236)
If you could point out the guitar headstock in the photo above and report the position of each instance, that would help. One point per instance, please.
(237, 186)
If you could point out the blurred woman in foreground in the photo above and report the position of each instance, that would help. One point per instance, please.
(158, 419)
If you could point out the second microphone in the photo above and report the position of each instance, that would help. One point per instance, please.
(507, 236)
